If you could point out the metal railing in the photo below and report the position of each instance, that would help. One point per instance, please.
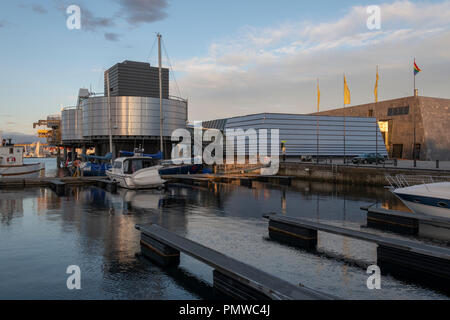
(403, 181)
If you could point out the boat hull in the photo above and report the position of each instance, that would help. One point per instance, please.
(435, 204)
(139, 181)
(32, 170)
(427, 209)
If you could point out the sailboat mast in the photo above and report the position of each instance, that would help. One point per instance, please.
(161, 119)
(109, 115)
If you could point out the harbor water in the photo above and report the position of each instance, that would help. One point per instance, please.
(42, 234)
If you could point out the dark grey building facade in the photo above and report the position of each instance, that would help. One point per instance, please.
(136, 79)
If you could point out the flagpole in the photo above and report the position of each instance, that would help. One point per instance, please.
(376, 123)
(414, 115)
(317, 120)
(344, 124)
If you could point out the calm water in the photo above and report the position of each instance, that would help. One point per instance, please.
(42, 234)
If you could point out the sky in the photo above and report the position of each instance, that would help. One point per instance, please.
(228, 58)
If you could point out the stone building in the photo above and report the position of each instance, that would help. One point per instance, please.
(423, 122)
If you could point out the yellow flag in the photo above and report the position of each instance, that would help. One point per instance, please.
(318, 96)
(376, 87)
(346, 92)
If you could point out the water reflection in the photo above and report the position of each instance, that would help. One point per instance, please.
(96, 230)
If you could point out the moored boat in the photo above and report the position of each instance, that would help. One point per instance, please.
(12, 166)
(137, 172)
(430, 197)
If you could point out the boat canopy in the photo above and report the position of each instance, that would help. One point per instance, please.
(158, 155)
(106, 157)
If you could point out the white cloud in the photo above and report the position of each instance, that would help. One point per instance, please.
(274, 68)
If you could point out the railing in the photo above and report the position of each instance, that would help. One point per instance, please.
(177, 98)
(403, 181)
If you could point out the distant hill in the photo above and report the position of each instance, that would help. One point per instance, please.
(21, 138)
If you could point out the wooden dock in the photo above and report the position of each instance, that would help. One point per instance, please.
(419, 262)
(59, 184)
(232, 277)
(408, 223)
(243, 180)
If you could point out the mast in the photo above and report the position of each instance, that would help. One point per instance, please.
(161, 119)
(109, 115)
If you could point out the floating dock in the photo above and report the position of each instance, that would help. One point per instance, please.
(408, 223)
(243, 180)
(427, 264)
(59, 184)
(231, 277)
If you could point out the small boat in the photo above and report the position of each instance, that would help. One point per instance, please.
(136, 172)
(430, 197)
(96, 166)
(171, 167)
(188, 166)
(11, 163)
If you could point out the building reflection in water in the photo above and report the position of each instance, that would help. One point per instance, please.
(12, 202)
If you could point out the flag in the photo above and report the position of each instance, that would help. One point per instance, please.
(318, 96)
(376, 87)
(346, 92)
(416, 68)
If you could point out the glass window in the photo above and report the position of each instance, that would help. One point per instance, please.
(149, 163)
(398, 111)
(126, 166)
(136, 165)
(117, 165)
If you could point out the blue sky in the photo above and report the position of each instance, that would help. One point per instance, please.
(230, 57)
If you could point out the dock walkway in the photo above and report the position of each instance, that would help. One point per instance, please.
(419, 262)
(408, 223)
(230, 275)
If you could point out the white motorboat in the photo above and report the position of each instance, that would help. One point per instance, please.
(430, 197)
(11, 163)
(137, 172)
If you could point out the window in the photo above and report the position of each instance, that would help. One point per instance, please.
(117, 165)
(148, 163)
(370, 113)
(11, 150)
(398, 111)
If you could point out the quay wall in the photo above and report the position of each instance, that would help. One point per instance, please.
(368, 176)
(353, 175)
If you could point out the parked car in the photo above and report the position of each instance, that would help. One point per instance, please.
(369, 158)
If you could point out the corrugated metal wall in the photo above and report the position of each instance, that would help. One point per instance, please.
(71, 124)
(132, 116)
(301, 132)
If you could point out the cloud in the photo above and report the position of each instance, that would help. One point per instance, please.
(38, 8)
(111, 36)
(136, 12)
(35, 7)
(93, 23)
(275, 68)
(133, 12)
